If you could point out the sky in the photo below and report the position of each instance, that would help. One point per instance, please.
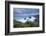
(19, 13)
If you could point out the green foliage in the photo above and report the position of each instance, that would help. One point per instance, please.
(26, 24)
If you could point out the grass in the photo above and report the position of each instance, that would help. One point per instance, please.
(18, 24)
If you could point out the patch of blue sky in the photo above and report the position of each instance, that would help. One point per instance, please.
(19, 13)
